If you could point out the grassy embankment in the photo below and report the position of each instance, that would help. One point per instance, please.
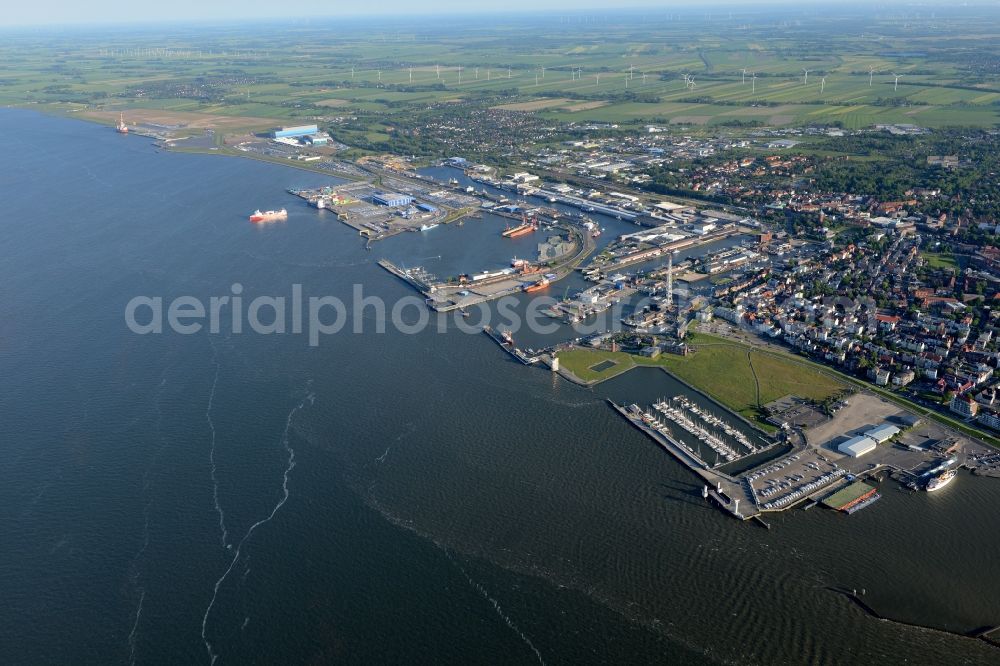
(738, 376)
(724, 372)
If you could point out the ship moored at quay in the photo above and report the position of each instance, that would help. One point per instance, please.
(506, 341)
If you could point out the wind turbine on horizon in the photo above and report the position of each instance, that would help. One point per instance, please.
(822, 85)
(744, 82)
(871, 75)
(753, 83)
(805, 79)
(895, 85)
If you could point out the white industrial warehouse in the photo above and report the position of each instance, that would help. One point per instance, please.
(859, 445)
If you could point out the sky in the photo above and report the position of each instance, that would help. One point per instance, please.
(55, 12)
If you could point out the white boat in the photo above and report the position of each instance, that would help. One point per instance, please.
(427, 227)
(941, 480)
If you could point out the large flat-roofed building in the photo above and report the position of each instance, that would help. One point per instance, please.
(857, 446)
(392, 199)
(294, 132)
(704, 227)
(671, 207)
(882, 433)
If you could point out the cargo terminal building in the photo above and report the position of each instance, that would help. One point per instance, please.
(392, 199)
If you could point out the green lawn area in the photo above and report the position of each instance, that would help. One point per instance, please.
(582, 361)
(939, 260)
(720, 368)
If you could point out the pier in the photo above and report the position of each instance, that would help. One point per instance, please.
(707, 428)
(407, 276)
(726, 491)
(506, 343)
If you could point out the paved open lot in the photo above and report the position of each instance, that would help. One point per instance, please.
(863, 412)
(819, 468)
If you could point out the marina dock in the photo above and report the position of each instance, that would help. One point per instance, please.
(738, 497)
(726, 491)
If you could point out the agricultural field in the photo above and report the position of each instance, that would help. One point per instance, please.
(627, 68)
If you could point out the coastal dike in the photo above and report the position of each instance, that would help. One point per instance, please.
(569, 376)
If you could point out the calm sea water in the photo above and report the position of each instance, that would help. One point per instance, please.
(379, 498)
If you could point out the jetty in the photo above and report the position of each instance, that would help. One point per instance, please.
(506, 342)
(723, 489)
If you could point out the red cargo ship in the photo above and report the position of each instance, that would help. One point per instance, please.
(268, 215)
(538, 286)
(524, 228)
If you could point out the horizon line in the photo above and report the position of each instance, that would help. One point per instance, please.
(686, 8)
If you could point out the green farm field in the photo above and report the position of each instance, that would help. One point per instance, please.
(626, 68)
